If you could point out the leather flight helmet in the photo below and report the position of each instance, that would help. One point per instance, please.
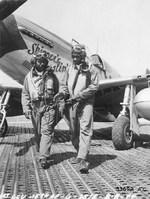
(40, 56)
(78, 50)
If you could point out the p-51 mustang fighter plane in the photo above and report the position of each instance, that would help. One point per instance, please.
(20, 39)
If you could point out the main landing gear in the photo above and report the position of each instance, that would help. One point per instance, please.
(3, 104)
(126, 124)
(122, 136)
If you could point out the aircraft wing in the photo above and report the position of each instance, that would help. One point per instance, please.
(12, 87)
(137, 80)
(111, 93)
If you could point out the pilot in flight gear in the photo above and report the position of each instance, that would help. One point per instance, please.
(80, 83)
(40, 86)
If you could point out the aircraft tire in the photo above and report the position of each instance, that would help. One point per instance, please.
(122, 137)
(4, 128)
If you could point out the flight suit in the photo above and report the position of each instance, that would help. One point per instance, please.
(37, 97)
(81, 112)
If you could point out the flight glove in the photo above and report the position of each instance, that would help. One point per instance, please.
(74, 99)
(28, 114)
(58, 97)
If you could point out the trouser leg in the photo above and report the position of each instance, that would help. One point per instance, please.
(86, 130)
(74, 126)
(47, 132)
(36, 122)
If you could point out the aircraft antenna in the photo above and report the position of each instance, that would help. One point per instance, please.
(74, 41)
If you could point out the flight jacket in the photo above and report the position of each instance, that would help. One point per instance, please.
(32, 94)
(87, 83)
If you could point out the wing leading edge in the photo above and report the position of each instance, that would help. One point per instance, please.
(107, 105)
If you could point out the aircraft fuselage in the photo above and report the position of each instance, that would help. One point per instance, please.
(22, 39)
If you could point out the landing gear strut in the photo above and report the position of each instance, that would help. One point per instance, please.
(126, 123)
(3, 104)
